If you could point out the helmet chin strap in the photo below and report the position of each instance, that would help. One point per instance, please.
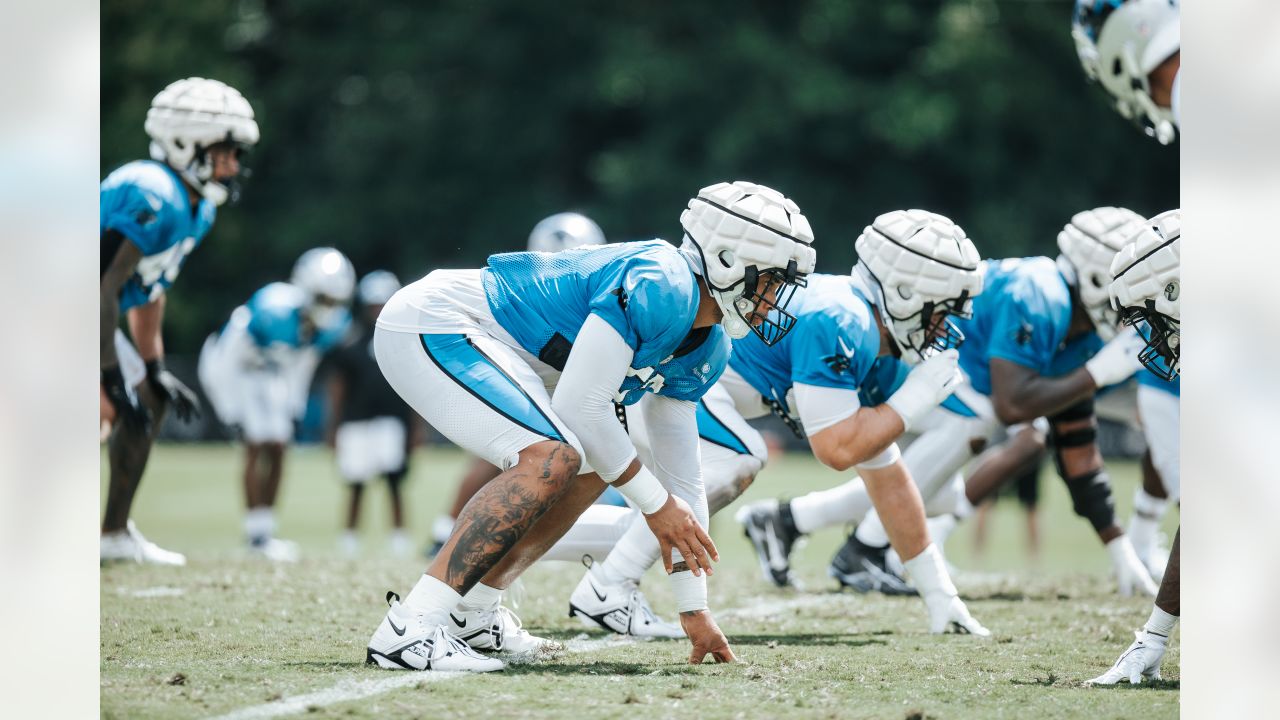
(734, 326)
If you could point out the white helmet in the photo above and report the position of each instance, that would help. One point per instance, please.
(1148, 282)
(738, 233)
(1120, 42)
(1087, 245)
(189, 116)
(563, 231)
(924, 269)
(377, 287)
(330, 280)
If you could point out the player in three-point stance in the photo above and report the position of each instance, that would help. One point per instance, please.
(915, 270)
(258, 368)
(1145, 290)
(522, 362)
(153, 214)
(1034, 348)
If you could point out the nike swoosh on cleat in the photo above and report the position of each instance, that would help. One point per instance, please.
(459, 623)
(398, 630)
(599, 597)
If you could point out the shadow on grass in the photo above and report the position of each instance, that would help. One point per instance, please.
(327, 665)
(1154, 685)
(559, 667)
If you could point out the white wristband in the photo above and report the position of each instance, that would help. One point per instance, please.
(690, 590)
(644, 491)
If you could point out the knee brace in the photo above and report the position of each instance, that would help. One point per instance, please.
(1091, 498)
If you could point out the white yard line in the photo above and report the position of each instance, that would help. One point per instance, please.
(152, 592)
(762, 608)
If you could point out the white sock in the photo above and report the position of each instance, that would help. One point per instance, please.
(1160, 622)
(871, 531)
(350, 543)
(442, 528)
(825, 508)
(594, 533)
(260, 522)
(433, 597)
(481, 597)
(1147, 512)
(940, 528)
(400, 543)
(634, 554)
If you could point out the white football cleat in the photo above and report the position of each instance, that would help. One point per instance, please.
(622, 609)
(129, 544)
(275, 550)
(410, 640)
(497, 629)
(1140, 661)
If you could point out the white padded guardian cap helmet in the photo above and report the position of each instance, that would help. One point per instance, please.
(1147, 289)
(925, 269)
(187, 118)
(563, 231)
(1087, 245)
(377, 287)
(739, 233)
(330, 280)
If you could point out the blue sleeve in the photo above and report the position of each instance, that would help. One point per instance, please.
(330, 337)
(649, 307)
(271, 323)
(832, 350)
(136, 213)
(1022, 334)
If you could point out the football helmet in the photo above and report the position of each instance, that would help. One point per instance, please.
(1119, 43)
(1087, 245)
(328, 277)
(1146, 290)
(187, 118)
(563, 231)
(739, 234)
(924, 269)
(377, 287)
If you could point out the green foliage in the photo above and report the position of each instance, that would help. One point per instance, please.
(418, 135)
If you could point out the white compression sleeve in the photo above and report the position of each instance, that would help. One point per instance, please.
(821, 407)
(824, 508)
(673, 436)
(584, 397)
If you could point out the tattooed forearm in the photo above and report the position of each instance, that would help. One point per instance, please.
(503, 511)
(1169, 599)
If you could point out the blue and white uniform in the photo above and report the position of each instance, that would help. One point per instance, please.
(258, 368)
(479, 354)
(146, 203)
(1159, 408)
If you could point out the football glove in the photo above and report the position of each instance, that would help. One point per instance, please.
(1131, 574)
(929, 383)
(167, 386)
(1117, 361)
(1140, 661)
(133, 416)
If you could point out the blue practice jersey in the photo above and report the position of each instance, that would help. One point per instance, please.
(646, 291)
(834, 343)
(147, 203)
(275, 318)
(1022, 315)
(1148, 378)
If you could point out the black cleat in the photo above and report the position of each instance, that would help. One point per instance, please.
(772, 532)
(863, 568)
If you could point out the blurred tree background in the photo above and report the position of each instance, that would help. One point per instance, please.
(418, 135)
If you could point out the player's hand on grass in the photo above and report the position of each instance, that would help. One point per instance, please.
(1140, 661)
(949, 614)
(1117, 361)
(1131, 575)
(706, 637)
(133, 416)
(676, 528)
(167, 386)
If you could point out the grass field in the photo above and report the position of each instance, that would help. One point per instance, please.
(232, 636)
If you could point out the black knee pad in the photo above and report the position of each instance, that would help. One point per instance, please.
(1091, 498)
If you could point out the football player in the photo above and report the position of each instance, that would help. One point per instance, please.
(1034, 348)
(257, 370)
(370, 427)
(554, 233)
(153, 214)
(915, 270)
(1132, 49)
(1147, 283)
(522, 363)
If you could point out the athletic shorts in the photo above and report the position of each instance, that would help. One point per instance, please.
(369, 448)
(1161, 412)
(465, 375)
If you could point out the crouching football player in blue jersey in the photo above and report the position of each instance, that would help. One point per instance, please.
(153, 214)
(1034, 348)
(258, 368)
(522, 363)
(915, 270)
(1147, 284)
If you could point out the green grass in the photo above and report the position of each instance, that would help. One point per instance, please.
(228, 632)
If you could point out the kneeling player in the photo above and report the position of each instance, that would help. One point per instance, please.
(521, 363)
(1148, 281)
(915, 270)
